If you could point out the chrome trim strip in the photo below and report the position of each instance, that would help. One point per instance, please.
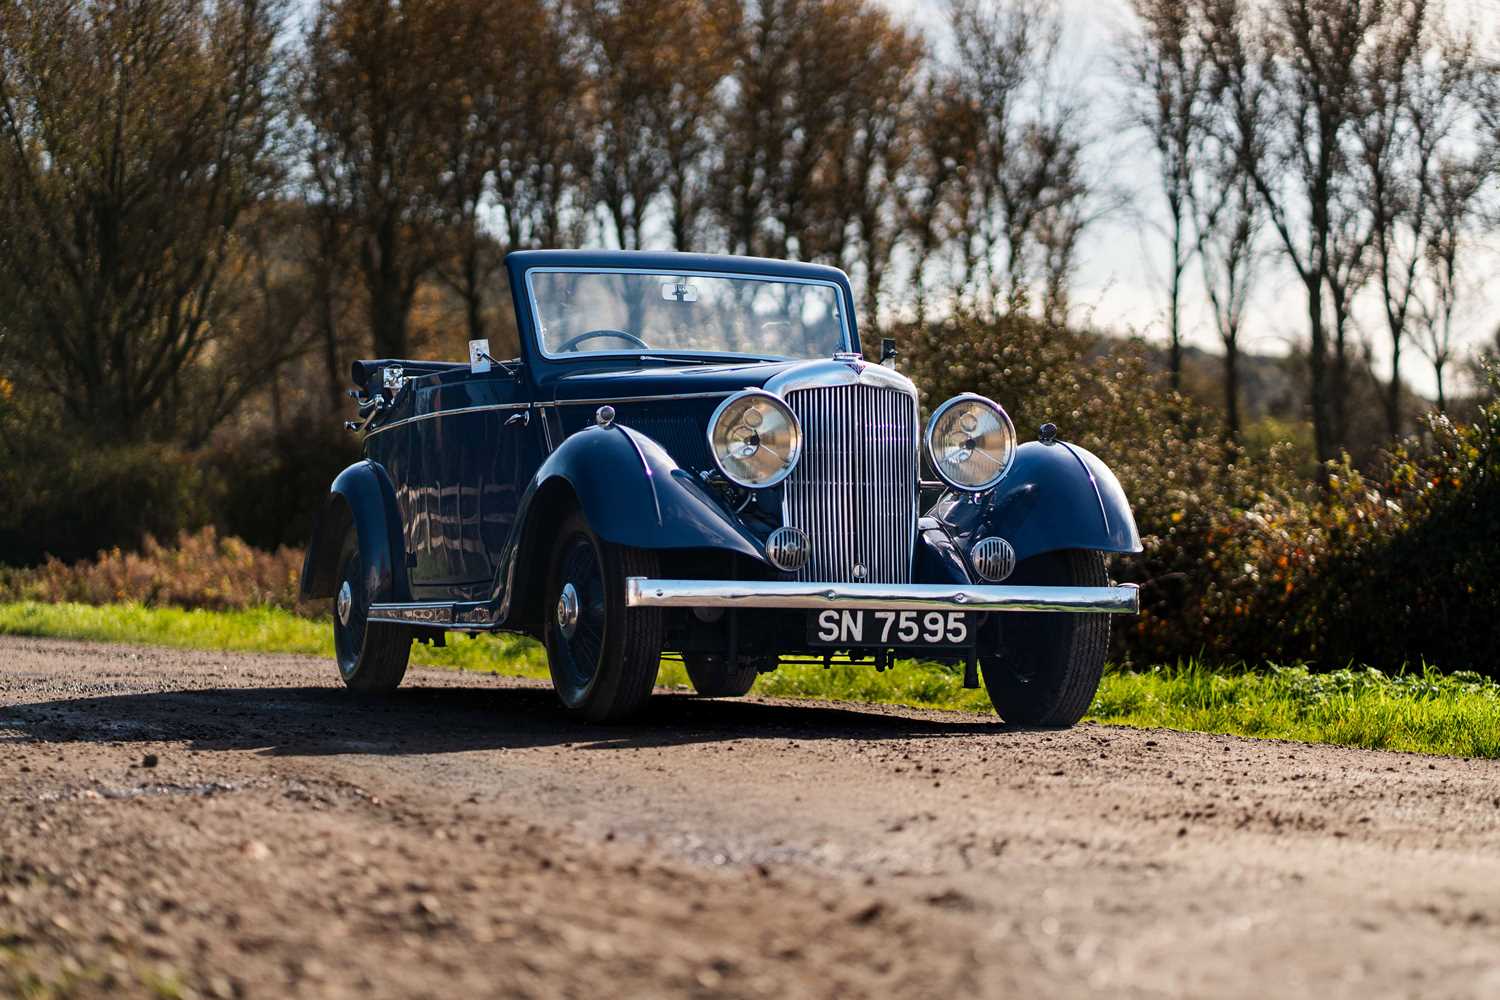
(645, 466)
(1103, 510)
(408, 614)
(546, 429)
(845, 308)
(640, 592)
(465, 615)
(485, 408)
(613, 401)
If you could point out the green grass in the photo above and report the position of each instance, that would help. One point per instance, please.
(1425, 711)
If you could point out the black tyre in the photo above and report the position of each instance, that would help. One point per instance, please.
(1045, 668)
(371, 655)
(603, 655)
(713, 677)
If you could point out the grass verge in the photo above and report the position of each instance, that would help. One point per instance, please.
(1426, 711)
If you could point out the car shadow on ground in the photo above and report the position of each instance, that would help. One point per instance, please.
(309, 721)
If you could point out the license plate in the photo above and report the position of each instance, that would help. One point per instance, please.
(900, 629)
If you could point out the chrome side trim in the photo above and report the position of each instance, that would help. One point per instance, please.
(645, 466)
(1103, 510)
(616, 400)
(486, 408)
(464, 615)
(640, 592)
(412, 614)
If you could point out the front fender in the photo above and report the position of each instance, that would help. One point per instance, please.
(634, 494)
(1056, 496)
(361, 495)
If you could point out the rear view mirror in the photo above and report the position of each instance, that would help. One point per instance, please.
(678, 291)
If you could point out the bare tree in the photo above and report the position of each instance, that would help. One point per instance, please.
(1227, 211)
(688, 121)
(133, 136)
(1399, 136)
(945, 137)
(541, 173)
(1165, 68)
(870, 155)
(1457, 184)
(1027, 164)
(370, 93)
(473, 110)
(1308, 55)
(653, 68)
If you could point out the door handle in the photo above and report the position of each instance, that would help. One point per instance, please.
(521, 419)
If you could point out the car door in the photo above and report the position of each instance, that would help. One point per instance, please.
(483, 444)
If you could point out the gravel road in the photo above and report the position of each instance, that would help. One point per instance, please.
(187, 823)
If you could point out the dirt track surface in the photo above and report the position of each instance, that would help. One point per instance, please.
(228, 825)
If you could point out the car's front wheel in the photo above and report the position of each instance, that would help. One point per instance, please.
(371, 655)
(603, 655)
(1045, 668)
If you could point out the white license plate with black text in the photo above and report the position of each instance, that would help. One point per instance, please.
(889, 628)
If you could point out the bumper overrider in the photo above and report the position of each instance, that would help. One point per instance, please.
(642, 592)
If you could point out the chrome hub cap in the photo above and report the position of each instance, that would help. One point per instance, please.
(345, 602)
(567, 611)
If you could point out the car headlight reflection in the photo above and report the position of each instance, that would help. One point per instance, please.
(755, 439)
(971, 442)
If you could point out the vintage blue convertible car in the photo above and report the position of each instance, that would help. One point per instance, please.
(691, 457)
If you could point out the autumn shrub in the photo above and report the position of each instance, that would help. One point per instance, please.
(1245, 558)
(69, 502)
(1398, 570)
(1185, 485)
(202, 570)
(272, 482)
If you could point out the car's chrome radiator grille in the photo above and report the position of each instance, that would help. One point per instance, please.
(855, 490)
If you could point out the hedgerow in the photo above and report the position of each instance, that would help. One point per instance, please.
(1246, 557)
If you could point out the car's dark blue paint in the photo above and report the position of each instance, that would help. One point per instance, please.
(938, 557)
(1056, 496)
(467, 474)
(361, 495)
(633, 493)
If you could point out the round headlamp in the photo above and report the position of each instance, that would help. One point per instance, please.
(755, 439)
(971, 442)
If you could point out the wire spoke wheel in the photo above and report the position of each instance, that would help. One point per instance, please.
(603, 655)
(581, 611)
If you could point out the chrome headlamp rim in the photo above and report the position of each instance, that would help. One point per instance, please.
(937, 467)
(792, 458)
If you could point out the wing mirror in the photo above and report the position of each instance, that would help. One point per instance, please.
(888, 352)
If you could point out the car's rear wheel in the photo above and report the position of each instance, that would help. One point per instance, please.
(1046, 666)
(371, 655)
(714, 677)
(603, 656)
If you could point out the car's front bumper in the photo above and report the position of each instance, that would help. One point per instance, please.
(641, 592)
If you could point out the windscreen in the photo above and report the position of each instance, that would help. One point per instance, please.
(639, 312)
